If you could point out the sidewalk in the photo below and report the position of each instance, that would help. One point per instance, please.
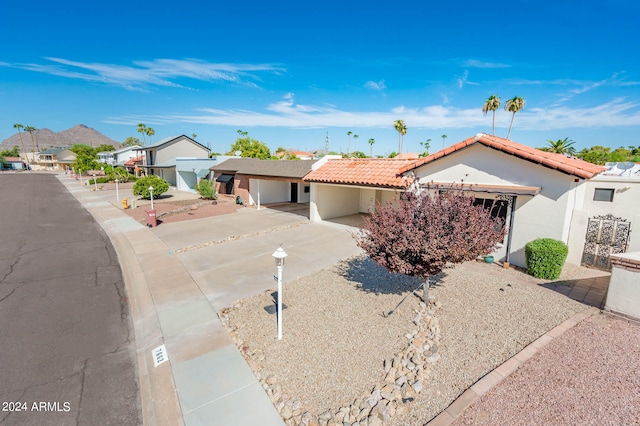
(205, 380)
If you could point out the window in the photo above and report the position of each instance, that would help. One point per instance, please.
(306, 189)
(603, 194)
(498, 207)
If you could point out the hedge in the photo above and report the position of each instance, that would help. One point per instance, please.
(545, 258)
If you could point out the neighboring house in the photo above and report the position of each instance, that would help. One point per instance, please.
(14, 163)
(160, 158)
(301, 155)
(191, 170)
(122, 155)
(106, 157)
(54, 159)
(134, 165)
(264, 181)
(535, 192)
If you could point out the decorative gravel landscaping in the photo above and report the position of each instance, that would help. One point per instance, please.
(345, 358)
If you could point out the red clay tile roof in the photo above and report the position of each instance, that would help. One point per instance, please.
(381, 172)
(562, 163)
(133, 161)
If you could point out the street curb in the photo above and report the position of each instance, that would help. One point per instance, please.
(158, 397)
(494, 377)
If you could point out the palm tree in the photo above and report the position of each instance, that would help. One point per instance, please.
(562, 146)
(150, 132)
(20, 126)
(443, 138)
(193, 136)
(401, 128)
(349, 143)
(355, 142)
(31, 130)
(371, 142)
(514, 105)
(492, 104)
(142, 129)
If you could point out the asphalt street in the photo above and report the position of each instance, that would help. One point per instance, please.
(67, 355)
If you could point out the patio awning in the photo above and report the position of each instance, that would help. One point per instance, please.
(490, 189)
(202, 173)
(224, 178)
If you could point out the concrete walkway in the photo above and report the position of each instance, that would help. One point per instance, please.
(179, 276)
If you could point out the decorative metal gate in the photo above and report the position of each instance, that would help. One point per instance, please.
(606, 235)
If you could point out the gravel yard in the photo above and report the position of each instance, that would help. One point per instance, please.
(336, 335)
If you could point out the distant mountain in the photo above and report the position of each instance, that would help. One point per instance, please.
(79, 134)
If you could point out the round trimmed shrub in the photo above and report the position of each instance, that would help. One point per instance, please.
(545, 258)
(141, 187)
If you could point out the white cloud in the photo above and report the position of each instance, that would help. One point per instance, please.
(375, 85)
(286, 113)
(473, 63)
(160, 72)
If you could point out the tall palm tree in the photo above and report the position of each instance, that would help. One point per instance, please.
(349, 133)
(20, 126)
(355, 142)
(492, 104)
(514, 105)
(371, 142)
(443, 138)
(150, 132)
(401, 128)
(142, 129)
(562, 146)
(31, 130)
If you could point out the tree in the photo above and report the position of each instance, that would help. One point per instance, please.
(20, 126)
(443, 138)
(86, 158)
(141, 187)
(428, 230)
(150, 132)
(561, 146)
(131, 141)
(31, 131)
(193, 136)
(596, 154)
(349, 139)
(492, 104)
(371, 142)
(143, 129)
(401, 128)
(104, 148)
(355, 142)
(249, 147)
(513, 105)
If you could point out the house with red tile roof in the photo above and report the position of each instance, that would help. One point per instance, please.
(537, 194)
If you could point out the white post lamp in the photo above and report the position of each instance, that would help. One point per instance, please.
(151, 194)
(279, 255)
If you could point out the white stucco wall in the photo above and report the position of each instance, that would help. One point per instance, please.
(545, 215)
(626, 205)
(623, 295)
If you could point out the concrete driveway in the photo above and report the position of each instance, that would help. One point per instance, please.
(229, 256)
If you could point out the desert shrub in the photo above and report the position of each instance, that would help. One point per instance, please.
(121, 174)
(141, 187)
(207, 189)
(545, 258)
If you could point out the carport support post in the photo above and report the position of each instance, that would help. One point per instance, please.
(258, 194)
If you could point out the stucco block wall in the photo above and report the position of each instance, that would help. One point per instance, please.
(623, 295)
(546, 215)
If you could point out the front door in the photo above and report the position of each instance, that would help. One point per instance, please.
(294, 192)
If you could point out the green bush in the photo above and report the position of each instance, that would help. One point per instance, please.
(121, 174)
(206, 189)
(141, 187)
(545, 257)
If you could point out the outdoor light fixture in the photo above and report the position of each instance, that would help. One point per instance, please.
(279, 255)
(117, 192)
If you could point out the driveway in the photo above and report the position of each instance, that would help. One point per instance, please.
(229, 256)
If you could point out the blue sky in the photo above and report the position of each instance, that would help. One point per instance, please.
(291, 72)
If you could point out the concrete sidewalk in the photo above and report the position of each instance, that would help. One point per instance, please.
(206, 380)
